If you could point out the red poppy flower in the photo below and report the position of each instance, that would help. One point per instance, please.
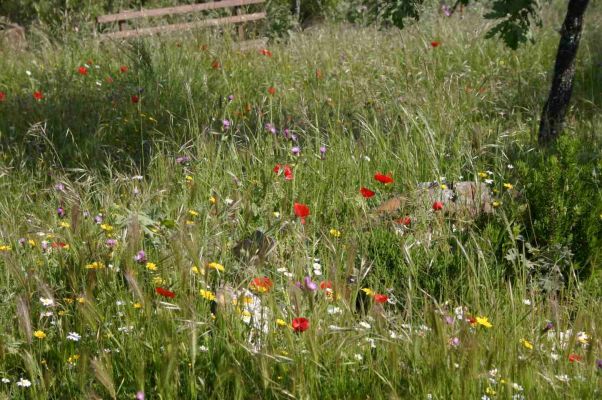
(261, 285)
(266, 52)
(435, 43)
(2, 96)
(326, 285)
(383, 178)
(575, 357)
(277, 168)
(135, 99)
(367, 193)
(406, 221)
(288, 173)
(437, 206)
(38, 95)
(123, 69)
(301, 211)
(215, 64)
(300, 324)
(165, 293)
(58, 245)
(272, 90)
(381, 298)
(82, 70)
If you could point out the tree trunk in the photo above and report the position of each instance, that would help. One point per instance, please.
(552, 117)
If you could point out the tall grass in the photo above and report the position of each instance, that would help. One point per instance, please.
(379, 101)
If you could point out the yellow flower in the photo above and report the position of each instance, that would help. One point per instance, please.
(508, 186)
(189, 179)
(527, 344)
(95, 265)
(189, 222)
(496, 204)
(31, 242)
(193, 213)
(196, 270)
(5, 247)
(216, 266)
(137, 305)
(151, 266)
(443, 186)
(64, 224)
(335, 233)
(482, 174)
(208, 295)
(484, 321)
(61, 313)
(106, 227)
(157, 281)
(39, 334)
(212, 200)
(281, 323)
(81, 300)
(73, 359)
(68, 300)
(368, 291)
(490, 391)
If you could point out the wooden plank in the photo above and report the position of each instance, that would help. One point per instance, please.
(158, 12)
(184, 26)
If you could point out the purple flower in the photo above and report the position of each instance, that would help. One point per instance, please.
(454, 341)
(140, 395)
(22, 241)
(449, 320)
(323, 150)
(60, 187)
(86, 213)
(140, 257)
(296, 150)
(549, 326)
(98, 219)
(446, 10)
(309, 285)
(60, 212)
(231, 97)
(226, 124)
(183, 159)
(111, 243)
(599, 363)
(44, 245)
(270, 128)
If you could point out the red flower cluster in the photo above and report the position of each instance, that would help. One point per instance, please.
(265, 52)
(82, 70)
(383, 178)
(165, 293)
(437, 206)
(38, 95)
(287, 171)
(261, 284)
(367, 193)
(435, 43)
(381, 298)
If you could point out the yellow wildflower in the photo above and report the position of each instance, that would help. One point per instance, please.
(158, 281)
(443, 186)
(73, 359)
(490, 391)
(207, 294)
(216, 266)
(335, 233)
(106, 227)
(95, 265)
(189, 179)
(281, 323)
(482, 174)
(151, 266)
(212, 200)
(496, 204)
(31, 242)
(189, 222)
(368, 291)
(39, 334)
(5, 247)
(508, 186)
(64, 224)
(527, 344)
(81, 300)
(137, 305)
(193, 213)
(484, 321)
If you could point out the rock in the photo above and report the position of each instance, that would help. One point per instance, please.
(12, 37)
(461, 198)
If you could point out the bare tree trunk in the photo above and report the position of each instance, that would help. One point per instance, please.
(552, 117)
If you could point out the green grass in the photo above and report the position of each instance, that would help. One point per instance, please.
(382, 101)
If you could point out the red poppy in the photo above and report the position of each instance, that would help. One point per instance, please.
(300, 324)
(575, 357)
(135, 99)
(326, 285)
(38, 95)
(301, 211)
(266, 52)
(82, 70)
(381, 298)
(123, 69)
(406, 221)
(261, 285)
(272, 90)
(435, 43)
(383, 178)
(58, 245)
(165, 293)
(2, 96)
(367, 193)
(215, 64)
(437, 206)
(288, 173)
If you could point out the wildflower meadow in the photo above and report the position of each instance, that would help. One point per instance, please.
(183, 218)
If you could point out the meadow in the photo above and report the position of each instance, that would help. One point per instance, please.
(134, 178)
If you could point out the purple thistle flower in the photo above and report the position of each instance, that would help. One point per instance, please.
(309, 285)
(22, 241)
(140, 257)
(270, 128)
(449, 320)
(231, 97)
(454, 341)
(549, 326)
(296, 150)
(322, 150)
(599, 363)
(60, 212)
(60, 187)
(111, 243)
(446, 10)
(98, 219)
(140, 395)
(226, 124)
(183, 159)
